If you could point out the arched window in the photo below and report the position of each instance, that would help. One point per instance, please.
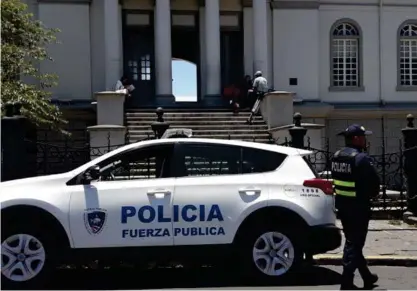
(407, 56)
(345, 49)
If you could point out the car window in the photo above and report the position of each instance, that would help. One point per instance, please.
(145, 163)
(260, 161)
(208, 160)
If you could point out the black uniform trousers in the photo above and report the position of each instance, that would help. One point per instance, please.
(355, 228)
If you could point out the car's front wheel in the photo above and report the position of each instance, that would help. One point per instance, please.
(271, 253)
(25, 258)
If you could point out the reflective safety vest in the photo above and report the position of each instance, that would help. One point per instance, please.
(343, 172)
(344, 188)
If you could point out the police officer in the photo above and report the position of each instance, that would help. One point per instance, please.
(356, 182)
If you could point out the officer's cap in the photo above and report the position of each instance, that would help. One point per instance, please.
(355, 130)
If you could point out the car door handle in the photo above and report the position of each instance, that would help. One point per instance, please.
(158, 192)
(250, 191)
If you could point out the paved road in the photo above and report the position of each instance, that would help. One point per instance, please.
(324, 277)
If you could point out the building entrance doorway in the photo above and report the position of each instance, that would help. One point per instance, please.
(185, 65)
(139, 65)
(184, 80)
(232, 60)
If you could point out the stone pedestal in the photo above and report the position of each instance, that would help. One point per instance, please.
(277, 108)
(105, 138)
(110, 108)
(296, 133)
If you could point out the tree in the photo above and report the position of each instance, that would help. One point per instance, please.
(23, 47)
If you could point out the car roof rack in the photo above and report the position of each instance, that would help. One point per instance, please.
(178, 133)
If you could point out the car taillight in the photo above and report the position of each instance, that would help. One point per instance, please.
(324, 185)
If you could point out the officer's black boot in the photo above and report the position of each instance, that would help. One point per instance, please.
(368, 278)
(347, 281)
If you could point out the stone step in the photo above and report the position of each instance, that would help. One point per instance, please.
(198, 122)
(207, 110)
(204, 124)
(194, 127)
(186, 114)
(196, 119)
(207, 132)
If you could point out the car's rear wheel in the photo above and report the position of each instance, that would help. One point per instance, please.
(26, 258)
(270, 253)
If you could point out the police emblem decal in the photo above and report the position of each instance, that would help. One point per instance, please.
(94, 220)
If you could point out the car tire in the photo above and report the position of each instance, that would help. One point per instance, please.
(27, 256)
(270, 253)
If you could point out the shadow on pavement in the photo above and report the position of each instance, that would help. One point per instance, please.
(181, 278)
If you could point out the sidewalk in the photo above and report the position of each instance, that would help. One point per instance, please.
(388, 243)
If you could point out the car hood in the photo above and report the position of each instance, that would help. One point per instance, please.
(47, 192)
(32, 187)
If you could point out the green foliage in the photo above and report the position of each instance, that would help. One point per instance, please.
(23, 46)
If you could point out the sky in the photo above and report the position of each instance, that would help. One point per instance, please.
(184, 85)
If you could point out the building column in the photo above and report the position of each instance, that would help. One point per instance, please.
(260, 37)
(163, 52)
(112, 36)
(248, 40)
(212, 50)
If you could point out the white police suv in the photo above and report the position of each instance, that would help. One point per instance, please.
(258, 206)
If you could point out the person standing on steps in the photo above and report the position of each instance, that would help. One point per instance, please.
(259, 88)
(124, 84)
(355, 182)
(246, 98)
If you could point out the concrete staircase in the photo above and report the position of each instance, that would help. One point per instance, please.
(204, 124)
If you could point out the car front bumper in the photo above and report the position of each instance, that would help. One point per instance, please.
(322, 238)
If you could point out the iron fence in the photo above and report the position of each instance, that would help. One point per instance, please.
(49, 158)
(389, 166)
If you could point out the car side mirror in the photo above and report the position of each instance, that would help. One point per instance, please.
(91, 174)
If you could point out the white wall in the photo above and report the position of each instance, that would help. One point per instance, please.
(367, 18)
(296, 55)
(299, 49)
(270, 50)
(106, 44)
(392, 18)
(248, 40)
(97, 46)
(202, 23)
(301, 46)
(72, 55)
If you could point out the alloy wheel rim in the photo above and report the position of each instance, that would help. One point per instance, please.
(22, 257)
(273, 254)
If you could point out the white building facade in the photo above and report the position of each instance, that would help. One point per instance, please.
(343, 59)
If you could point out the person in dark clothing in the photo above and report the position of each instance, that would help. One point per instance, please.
(125, 83)
(247, 99)
(356, 182)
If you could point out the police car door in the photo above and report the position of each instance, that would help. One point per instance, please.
(131, 204)
(210, 193)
